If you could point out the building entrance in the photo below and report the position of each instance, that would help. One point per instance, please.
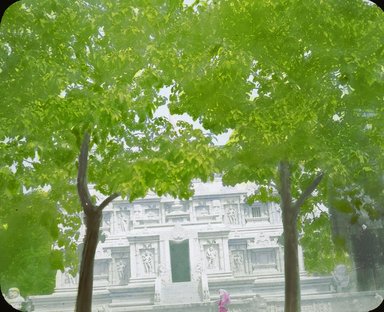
(181, 271)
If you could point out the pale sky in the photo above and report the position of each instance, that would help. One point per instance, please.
(164, 111)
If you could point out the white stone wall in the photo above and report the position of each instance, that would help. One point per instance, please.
(216, 221)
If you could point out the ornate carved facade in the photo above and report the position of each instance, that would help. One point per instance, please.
(161, 251)
(216, 231)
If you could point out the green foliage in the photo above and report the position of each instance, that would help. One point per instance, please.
(321, 254)
(26, 240)
(67, 67)
(295, 81)
(297, 68)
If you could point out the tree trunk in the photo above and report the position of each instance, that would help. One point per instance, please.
(84, 294)
(290, 212)
(93, 217)
(291, 255)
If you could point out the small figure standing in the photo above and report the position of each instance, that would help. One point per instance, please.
(238, 262)
(147, 261)
(232, 215)
(122, 220)
(340, 278)
(121, 271)
(224, 300)
(211, 256)
(14, 298)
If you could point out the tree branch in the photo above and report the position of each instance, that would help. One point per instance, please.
(82, 184)
(107, 201)
(308, 191)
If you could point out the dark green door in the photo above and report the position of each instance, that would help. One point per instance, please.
(180, 261)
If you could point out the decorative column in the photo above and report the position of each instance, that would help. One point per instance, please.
(226, 258)
(195, 259)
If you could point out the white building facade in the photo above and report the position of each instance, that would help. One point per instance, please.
(166, 254)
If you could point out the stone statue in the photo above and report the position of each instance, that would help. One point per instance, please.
(237, 261)
(121, 271)
(340, 278)
(161, 270)
(68, 278)
(211, 255)
(122, 222)
(147, 261)
(107, 225)
(199, 269)
(206, 295)
(262, 240)
(232, 215)
(14, 299)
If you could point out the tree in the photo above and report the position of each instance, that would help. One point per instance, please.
(80, 77)
(27, 260)
(357, 222)
(322, 251)
(300, 86)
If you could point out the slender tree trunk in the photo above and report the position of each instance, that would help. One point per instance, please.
(93, 217)
(291, 255)
(84, 294)
(290, 213)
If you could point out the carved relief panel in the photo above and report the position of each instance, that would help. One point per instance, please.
(211, 252)
(177, 212)
(201, 209)
(122, 221)
(207, 210)
(263, 240)
(238, 256)
(101, 264)
(107, 223)
(216, 207)
(232, 211)
(147, 259)
(120, 268)
(119, 219)
(238, 261)
(263, 259)
(146, 213)
(152, 213)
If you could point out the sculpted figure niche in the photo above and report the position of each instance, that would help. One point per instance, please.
(147, 261)
(211, 255)
(122, 222)
(121, 268)
(238, 262)
(232, 215)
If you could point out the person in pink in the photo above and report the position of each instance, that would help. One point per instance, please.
(224, 300)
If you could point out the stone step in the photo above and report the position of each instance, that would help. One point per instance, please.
(182, 292)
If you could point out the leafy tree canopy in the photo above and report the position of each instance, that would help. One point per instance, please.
(28, 230)
(294, 81)
(67, 67)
